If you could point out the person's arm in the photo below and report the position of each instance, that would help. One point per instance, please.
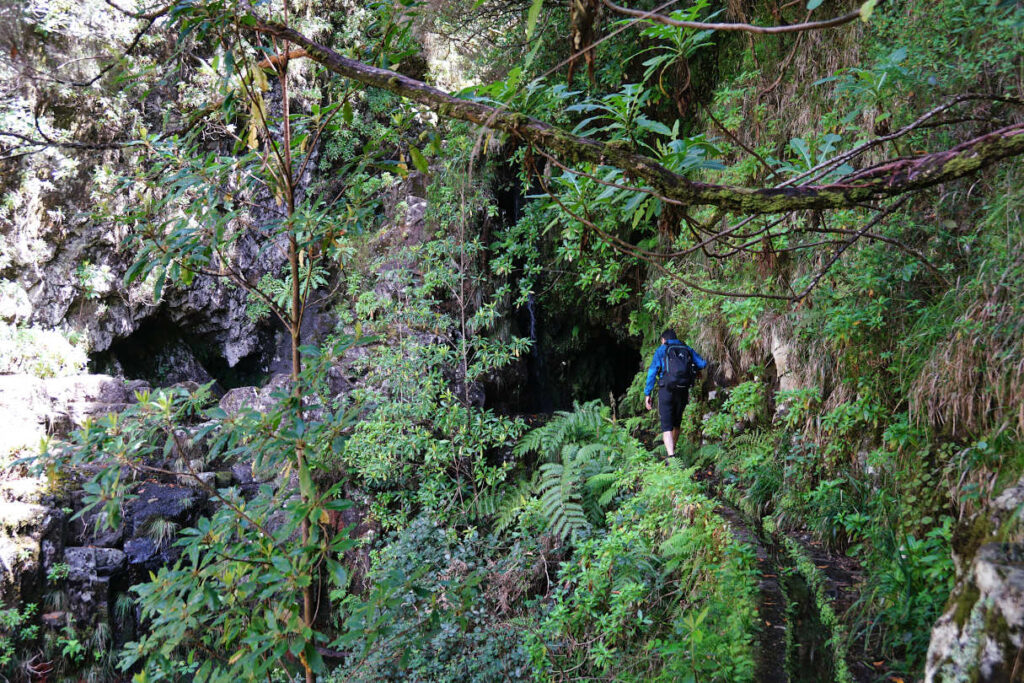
(698, 361)
(652, 374)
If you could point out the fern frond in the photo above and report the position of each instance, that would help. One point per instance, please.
(595, 450)
(760, 440)
(602, 480)
(583, 425)
(559, 499)
(505, 504)
(581, 452)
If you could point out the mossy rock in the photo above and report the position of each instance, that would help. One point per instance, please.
(979, 636)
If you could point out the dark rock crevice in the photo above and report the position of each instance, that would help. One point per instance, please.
(163, 353)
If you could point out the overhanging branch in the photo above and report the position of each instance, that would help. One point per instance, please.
(893, 178)
(744, 28)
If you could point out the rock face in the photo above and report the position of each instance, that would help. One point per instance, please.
(31, 538)
(981, 635)
(90, 575)
(980, 638)
(26, 408)
(35, 407)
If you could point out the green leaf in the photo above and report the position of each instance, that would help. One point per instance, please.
(813, 4)
(653, 126)
(531, 18)
(306, 482)
(419, 161)
(533, 54)
(315, 659)
(158, 286)
(338, 574)
(866, 9)
(346, 113)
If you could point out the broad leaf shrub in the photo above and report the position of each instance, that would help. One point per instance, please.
(228, 605)
(446, 621)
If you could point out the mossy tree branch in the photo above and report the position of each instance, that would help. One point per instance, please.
(892, 178)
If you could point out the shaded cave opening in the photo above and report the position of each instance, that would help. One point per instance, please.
(567, 362)
(160, 352)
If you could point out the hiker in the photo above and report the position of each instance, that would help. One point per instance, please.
(675, 368)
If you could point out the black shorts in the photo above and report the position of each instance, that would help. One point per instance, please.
(670, 407)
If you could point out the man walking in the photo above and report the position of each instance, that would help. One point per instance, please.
(674, 368)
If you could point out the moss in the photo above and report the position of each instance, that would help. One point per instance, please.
(963, 602)
(967, 538)
(998, 631)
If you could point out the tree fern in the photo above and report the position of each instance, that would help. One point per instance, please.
(583, 425)
(604, 485)
(582, 453)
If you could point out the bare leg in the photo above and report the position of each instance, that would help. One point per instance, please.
(670, 442)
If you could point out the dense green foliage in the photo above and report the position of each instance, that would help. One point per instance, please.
(864, 392)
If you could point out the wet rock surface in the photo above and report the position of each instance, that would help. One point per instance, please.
(161, 501)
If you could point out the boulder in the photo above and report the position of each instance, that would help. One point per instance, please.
(981, 635)
(148, 547)
(23, 490)
(87, 564)
(236, 399)
(247, 478)
(87, 389)
(144, 552)
(136, 386)
(81, 396)
(164, 501)
(24, 518)
(274, 391)
(37, 407)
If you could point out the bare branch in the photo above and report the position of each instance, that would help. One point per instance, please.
(47, 141)
(745, 28)
(149, 16)
(849, 243)
(150, 19)
(920, 122)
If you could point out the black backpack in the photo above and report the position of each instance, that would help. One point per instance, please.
(680, 369)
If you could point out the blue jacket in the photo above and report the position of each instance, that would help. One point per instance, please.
(658, 364)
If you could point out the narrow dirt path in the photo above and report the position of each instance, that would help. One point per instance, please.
(793, 644)
(771, 651)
